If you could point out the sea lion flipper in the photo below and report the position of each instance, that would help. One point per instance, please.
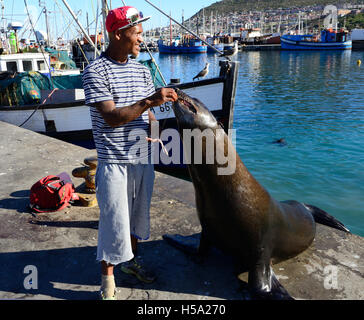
(188, 244)
(262, 282)
(267, 287)
(278, 292)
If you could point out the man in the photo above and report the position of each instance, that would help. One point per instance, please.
(120, 92)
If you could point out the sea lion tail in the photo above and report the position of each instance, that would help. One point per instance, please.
(322, 217)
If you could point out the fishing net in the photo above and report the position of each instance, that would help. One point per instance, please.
(61, 55)
(25, 88)
(72, 81)
(157, 79)
(22, 88)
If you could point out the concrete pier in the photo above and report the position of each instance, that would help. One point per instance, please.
(61, 246)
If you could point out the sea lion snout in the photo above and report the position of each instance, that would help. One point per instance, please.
(192, 113)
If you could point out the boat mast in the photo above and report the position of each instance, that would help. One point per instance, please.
(211, 34)
(183, 22)
(55, 25)
(3, 43)
(88, 25)
(203, 20)
(191, 32)
(96, 35)
(105, 11)
(198, 21)
(170, 31)
(279, 26)
(80, 25)
(45, 11)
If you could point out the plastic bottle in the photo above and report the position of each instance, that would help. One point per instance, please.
(12, 42)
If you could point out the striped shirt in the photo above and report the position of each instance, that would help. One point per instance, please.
(125, 84)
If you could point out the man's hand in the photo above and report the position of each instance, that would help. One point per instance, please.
(115, 117)
(162, 96)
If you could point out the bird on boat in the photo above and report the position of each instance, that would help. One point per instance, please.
(203, 73)
(230, 52)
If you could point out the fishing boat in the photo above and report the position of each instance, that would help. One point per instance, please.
(216, 43)
(185, 45)
(24, 62)
(329, 39)
(357, 37)
(55, 105)
(250, 36)
(272, 38)
(65, 116)
(167, 48)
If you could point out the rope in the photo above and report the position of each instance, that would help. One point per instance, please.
(38, 106)
(160, 141)
(40, 46)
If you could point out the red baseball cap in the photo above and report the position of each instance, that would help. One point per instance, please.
(123, 17)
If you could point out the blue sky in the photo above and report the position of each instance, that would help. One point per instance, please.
(15, 10)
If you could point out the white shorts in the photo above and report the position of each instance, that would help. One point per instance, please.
(124, 193)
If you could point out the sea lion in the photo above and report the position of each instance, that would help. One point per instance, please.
(282, 142)
(237, 214)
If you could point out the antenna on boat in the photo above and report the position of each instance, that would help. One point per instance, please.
(183, 27)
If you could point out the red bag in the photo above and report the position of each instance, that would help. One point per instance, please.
(52, 193)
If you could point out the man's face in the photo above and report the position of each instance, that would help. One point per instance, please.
(130, 39)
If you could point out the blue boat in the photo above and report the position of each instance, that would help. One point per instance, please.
(187, 45)
(328, 40)
(219, 46)
(215, 42)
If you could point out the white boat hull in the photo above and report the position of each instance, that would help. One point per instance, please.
(75, 116)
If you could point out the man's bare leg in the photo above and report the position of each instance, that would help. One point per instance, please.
(107, 280)
(134, 244)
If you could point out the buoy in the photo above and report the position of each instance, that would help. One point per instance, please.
(358, 62)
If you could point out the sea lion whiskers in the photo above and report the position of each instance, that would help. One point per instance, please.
(193, 113)
(188, 105)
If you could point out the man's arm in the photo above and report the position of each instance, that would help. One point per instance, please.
(151, 116)
(115, 117)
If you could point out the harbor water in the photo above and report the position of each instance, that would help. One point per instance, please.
(314, 101)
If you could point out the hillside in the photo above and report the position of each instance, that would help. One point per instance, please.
(227, 6)
(290, 7)
(352, 21)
